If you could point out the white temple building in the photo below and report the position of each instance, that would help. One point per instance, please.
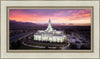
(49, 35)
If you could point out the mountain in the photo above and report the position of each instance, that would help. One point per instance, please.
(16, 23)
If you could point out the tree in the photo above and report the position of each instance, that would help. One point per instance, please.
(73, 46)
(16, 45)
(46, 47)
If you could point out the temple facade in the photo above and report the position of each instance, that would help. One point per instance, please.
(49, 34)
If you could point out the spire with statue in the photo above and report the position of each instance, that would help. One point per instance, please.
(49, 28)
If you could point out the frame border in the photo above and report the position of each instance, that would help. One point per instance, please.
(49, 58)
(51, 7)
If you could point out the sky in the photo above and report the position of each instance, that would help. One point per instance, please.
(65, 16)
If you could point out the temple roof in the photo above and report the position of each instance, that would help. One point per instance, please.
(49, 30)
(54, 33)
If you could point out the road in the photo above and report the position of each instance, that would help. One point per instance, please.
(46, 43)
(13, 38)
(35, 46)
(66, 47)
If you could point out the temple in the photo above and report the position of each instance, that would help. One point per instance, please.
(49, 34)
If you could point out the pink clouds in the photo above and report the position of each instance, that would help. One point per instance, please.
(82, 14)
(56, 15)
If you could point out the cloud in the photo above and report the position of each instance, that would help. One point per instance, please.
(56, 15)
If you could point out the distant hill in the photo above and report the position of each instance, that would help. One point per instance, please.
(28, 25)
(21, 25)
(25, 24)
(16, 23)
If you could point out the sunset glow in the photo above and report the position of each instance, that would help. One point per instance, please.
(66, 16)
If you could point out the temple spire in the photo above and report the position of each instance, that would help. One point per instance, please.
(49, 28)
